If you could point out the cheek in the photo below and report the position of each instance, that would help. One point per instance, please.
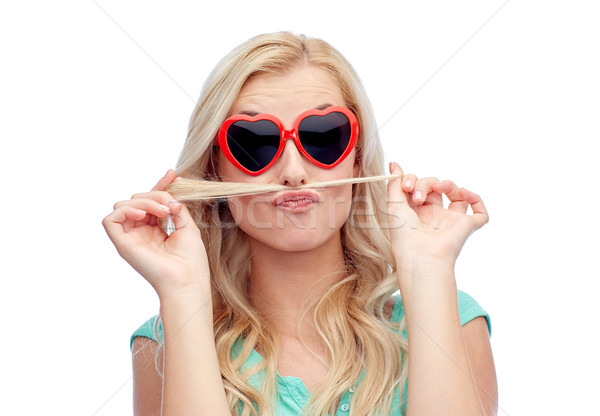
(232, 203)
(251, 212)
(238, 208)
(227, 170)
(356, 169)
(339, 206)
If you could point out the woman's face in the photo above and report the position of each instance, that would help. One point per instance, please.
(291, 220)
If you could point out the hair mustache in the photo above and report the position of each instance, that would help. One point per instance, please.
(187, 190)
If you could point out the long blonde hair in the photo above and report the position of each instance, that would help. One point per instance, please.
(350, 317)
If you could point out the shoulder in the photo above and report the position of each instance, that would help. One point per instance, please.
(151, 329)
(147, 381)
(468, 309)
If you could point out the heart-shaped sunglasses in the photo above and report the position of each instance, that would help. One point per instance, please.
(254, 143)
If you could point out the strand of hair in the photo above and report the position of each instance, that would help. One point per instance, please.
(185, 189)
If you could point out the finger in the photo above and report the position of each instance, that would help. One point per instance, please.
(408, 182)
(180, 221)
(399, 207)
(480, 214)
(160, 196)
(164, 199)
(162, 184)
(434, 198)
(174, 210)
(115, 221)
(151, 206)
(408, 186)
(395, 192)
(423, 187)
(458, 206)
(449, 188)
(182, 218)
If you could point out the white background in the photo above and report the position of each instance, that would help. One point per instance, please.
(95, 98)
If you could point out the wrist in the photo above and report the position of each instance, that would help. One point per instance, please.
(184, 283)
(423, 268)
(414, 262)
(181, 307)
(192, 295)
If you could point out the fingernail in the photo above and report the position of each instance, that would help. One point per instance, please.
(408, 183)
(418, 194)
(165, 208)
(174, 203)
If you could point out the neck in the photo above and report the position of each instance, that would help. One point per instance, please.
(286, 285)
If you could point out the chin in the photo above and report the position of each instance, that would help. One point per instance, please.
(299, 229)
(294, 240)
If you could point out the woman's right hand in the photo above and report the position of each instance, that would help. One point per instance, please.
(170, 263)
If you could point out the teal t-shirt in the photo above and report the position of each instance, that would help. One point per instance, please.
(292, 394)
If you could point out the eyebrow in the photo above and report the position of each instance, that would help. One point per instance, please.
(254, 113)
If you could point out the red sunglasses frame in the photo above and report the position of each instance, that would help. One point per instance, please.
(288, 134)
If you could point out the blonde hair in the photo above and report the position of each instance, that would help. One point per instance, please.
(202, 190)
(361, 343)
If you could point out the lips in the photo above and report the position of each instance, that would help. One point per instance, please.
(296, 200)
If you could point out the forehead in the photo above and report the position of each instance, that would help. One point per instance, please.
(286, 95)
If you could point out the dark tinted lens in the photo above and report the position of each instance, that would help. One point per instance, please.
(326, 137)
(253, 143)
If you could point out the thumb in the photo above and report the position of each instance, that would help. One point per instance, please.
(399, 209)
(180, 219)
(395, 192)
(165, 180)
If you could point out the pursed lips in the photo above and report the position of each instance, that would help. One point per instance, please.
(296, 201)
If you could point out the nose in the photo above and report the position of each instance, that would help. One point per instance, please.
(291, 168)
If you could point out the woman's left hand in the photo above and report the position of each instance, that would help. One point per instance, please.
(421, 229)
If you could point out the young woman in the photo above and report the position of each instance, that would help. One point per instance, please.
(281, 302)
